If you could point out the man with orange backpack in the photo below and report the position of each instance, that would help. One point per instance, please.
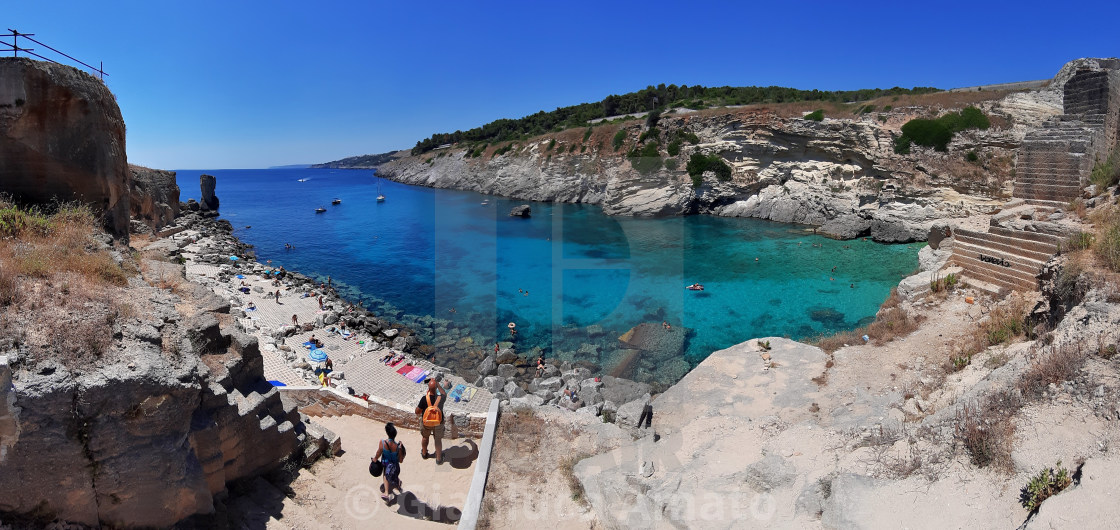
(430, 411)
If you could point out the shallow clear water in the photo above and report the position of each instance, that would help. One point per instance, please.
(426, 252)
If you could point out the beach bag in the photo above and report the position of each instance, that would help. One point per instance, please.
(433, 417)
(375, 468)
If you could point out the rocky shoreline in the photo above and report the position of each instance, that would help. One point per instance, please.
(510, 377)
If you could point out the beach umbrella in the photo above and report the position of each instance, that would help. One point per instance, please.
(317, 355)
(240, 276)
(233, 258)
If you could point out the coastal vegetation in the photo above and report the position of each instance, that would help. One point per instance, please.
(698, 163)
(816, 115)
(939, 132)
(1106, 172)
(649, 99)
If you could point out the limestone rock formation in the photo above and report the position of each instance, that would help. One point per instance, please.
(520, 211)
(208, 200)
(153, 197)
(840, 174)
(146, 437)
(62, 137)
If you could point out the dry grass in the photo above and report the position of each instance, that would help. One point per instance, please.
(61, 290)
(986, 431)
(1052, 365)
(891, 322)
(1106, 244)
(1004, 324)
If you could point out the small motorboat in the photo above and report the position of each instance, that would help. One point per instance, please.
(303, 180)
(336, 201)
(380, 198)
(695, 287)
(320, 209)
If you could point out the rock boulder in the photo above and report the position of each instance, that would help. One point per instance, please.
(62, 137)
(209, 201)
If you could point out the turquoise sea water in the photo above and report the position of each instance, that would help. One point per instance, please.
(428, 252)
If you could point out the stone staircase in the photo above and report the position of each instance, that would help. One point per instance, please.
(1053, 162)
(1003, 257)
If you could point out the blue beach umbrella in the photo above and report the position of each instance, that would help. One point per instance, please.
(317, 355)
(240, 276)
(233, 258)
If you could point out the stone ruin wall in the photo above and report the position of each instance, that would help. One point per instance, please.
(1055, 161)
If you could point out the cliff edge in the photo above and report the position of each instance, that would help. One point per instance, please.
(62, 137)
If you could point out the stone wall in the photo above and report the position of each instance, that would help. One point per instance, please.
(1055, 161)
(321, 402)
(62, 137)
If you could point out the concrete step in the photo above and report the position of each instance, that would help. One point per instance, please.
(1052, 241)
(1019, 266)
(1003, 241)
(990, 273)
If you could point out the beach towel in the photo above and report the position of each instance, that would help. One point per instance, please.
(309, 344)
(469, 393)
(457, 392)
(405, 369)
(240, 276)
(397, 361)
(423, 376)
(414, 373)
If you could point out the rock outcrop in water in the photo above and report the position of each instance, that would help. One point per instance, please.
(62, 137)
(208, 200)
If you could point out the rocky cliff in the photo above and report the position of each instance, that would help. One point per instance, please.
(135, 406)
(840, 174)
(153, 196)
(62, 137)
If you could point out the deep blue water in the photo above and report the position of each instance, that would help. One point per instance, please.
(426, 252)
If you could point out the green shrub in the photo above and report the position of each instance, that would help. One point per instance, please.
(654, 133)
(816, 115)
(646, 159)
(587, 134)
(938, 133)
(1106, 172)
(653, 117)
(1080, 241)
(887, 108)
(699, 163)
(672, 164)
(930, 133)
(972, 157)
(619, 139)
(551, 144)
(674, 148)
(697, 180)
(1107, 243)
(1045, 484)
(502, 150)
(572, 148)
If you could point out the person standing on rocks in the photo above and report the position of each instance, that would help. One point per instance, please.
(430, 410)
(647, 415)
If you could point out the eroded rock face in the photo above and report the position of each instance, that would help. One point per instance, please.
(153, 197)
(62, 137)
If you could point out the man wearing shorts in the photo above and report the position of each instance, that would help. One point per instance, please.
(435, 397)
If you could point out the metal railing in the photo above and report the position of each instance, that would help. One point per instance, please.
(15, 48)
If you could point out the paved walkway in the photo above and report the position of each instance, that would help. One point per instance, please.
(358, 358)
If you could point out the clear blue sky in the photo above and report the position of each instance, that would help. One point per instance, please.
(242, 84)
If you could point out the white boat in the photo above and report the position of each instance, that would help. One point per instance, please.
(380, 196)
(303, 180)
(320, 209)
